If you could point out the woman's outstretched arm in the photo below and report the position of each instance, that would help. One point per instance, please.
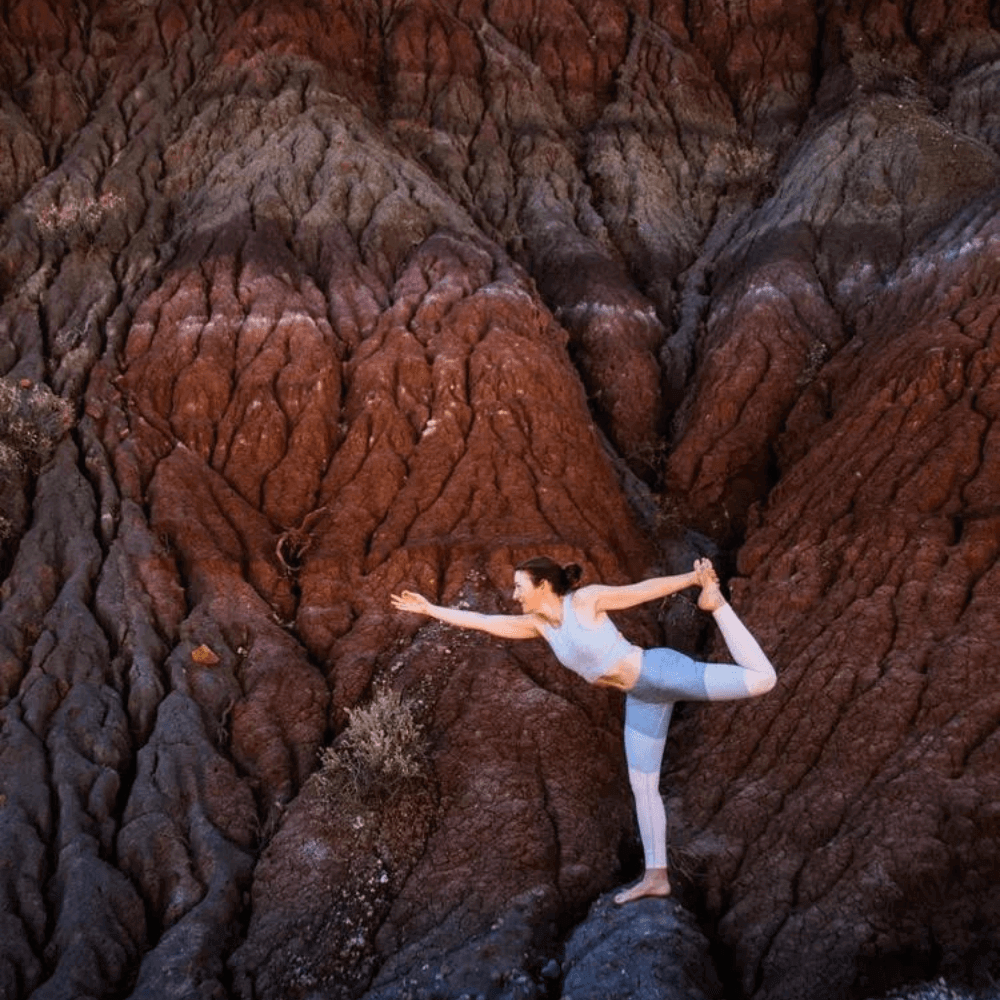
(504, 626)
(610, 598)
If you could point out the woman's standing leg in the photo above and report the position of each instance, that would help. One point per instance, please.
(646, 724)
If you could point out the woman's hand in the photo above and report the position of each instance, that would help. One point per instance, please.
(409, 601)
(704, 573)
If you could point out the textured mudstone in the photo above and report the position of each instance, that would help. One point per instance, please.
(649, 950)
(342, 298)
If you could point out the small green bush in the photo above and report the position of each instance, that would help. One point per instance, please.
(381, 750)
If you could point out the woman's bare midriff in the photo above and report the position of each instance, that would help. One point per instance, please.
(625, 673)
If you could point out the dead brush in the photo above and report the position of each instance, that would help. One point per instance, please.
(32, 420)
(381, 751)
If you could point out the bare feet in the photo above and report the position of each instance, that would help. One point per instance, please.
(710, 599)
(654, 883)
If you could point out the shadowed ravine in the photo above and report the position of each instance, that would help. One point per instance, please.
(306, 303)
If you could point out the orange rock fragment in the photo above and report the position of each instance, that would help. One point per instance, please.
(205, 656)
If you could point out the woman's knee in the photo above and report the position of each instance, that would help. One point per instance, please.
(729, 682)
(645, 784)
(760, 682)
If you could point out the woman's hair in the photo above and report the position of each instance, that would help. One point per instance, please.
(562, 579)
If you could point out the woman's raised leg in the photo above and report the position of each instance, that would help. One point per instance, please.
(753, 673)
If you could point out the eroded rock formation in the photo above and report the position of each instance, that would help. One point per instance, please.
(350, 297)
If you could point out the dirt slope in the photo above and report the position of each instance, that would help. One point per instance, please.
(306, 303)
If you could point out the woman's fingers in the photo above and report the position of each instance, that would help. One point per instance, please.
(705, 572)
(409, 601)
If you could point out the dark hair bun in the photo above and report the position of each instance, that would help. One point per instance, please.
(561, 579)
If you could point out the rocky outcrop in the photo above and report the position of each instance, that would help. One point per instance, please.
(304, 304)
(650, 951)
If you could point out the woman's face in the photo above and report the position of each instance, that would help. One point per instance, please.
(527, 593)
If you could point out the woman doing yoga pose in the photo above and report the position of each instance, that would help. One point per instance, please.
(576, 625)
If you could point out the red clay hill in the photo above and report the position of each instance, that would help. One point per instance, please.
(307, 302)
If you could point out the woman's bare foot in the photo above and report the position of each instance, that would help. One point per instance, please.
(710, 599)
(654, 883)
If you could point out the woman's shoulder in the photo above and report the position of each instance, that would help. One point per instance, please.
(584, 600)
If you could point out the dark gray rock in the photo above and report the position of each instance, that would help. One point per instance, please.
(501, 963)
(648, 950)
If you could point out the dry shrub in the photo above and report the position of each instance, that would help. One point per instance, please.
(32, 420)
(10, 469)
(381, 751)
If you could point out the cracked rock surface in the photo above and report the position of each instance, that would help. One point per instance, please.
(302, 304)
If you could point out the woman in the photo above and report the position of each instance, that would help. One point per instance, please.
(576, 625)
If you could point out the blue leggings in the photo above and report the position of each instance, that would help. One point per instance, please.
(668, 676)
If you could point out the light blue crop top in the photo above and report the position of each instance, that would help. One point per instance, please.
(590, 651)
